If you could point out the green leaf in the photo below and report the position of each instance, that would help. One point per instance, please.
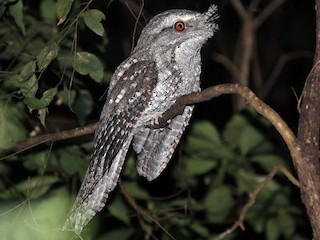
(249, 139)
(46, 55)
(35, 103)
(26, 80)
(42, 114)
(246, 181)
(116, 234)
(48, 10)
(200, 148)
(286, 224)
(233, 130)
(119, 210)
(83, 106)
(48, 96)
(72, 160)
(92, 18)
(88, 63)
(63, 8)
(204, 142)
(35, 161)
(268, 161)
(16, 11)
(30, 87)
(66, 97)
(36, 219)
(200, 229)
(272, 229)
(11, 124)
(31, 188)
(41, 104)
(2, 7)
(240, 134)
(196, 167)
(27, 71)
(205, 130)
(218, 204)
(135, 191)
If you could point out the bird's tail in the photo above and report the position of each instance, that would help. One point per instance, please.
(95, 190)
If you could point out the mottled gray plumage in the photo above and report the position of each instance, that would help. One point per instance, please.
(164, 65)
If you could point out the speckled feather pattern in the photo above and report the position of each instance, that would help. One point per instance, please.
(164, 65)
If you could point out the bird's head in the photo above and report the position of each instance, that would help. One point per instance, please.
(174, 27)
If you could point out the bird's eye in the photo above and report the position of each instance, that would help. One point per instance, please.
(179, 26)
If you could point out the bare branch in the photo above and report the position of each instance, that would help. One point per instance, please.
(247, 40)
(239, 8)
(253, 5)
(53, 137)
(267, 12)
(256, 69)
(134, 8)
(136, 25)
(282, 61)
(227, 63)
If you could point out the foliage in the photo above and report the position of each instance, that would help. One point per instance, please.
(44, 63)
(46, 71)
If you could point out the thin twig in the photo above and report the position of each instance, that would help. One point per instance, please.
(63, 135)
(240, 9)
(142, 211)
(267, 12)
(282, 61)
(136, 25)
(253, 196)
(253, 5)
(227, 63)
(256, 69)
(134, 9)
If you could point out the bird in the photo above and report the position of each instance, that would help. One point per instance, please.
(164, 65)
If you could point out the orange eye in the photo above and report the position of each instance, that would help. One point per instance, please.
(179, 26)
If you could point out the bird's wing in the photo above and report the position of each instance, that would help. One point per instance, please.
(125, 102)
(156, 146)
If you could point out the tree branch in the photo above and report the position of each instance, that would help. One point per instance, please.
(272, 6)
(251, 99)
(247, 40)
(278, 67)
(67, 134)
(238, 6)
(178, 107)
(308, 168)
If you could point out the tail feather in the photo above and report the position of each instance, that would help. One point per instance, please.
(155, 147)
(87, 205)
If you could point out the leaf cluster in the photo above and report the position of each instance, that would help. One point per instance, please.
(43, 65)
